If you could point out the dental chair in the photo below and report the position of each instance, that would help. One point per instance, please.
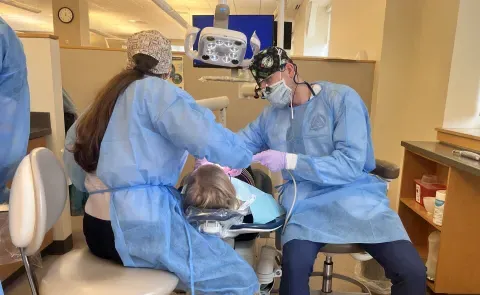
(37, 199)
(268, 264)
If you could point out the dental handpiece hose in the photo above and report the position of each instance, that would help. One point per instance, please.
(289, 214)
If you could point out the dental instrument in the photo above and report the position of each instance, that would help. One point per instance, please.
(467, 154)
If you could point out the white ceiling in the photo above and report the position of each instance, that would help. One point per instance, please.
(116, 16)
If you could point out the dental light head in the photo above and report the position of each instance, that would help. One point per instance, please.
(218, 45)
(222, 46)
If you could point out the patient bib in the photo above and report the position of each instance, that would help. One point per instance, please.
(264, 208)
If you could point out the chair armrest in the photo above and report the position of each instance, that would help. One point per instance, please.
(386, 170)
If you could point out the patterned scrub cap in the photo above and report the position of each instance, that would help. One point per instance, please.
(153, 44)
(267, 62)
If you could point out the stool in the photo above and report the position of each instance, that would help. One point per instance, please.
(329, 250)
(83, 273)
(37, 199)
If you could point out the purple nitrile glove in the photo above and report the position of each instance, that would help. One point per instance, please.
(201, 162)
(229, 171)
(232, 172)
(273, 160)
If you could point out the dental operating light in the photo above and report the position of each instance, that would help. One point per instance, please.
(218, 45)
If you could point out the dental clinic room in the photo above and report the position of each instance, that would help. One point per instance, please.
(239, 147)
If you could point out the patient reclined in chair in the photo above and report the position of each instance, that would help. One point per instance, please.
(210, 188)
(214, 202)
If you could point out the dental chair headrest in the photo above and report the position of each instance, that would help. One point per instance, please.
(226, 223)
(194, 214)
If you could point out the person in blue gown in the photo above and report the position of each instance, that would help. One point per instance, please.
(128, 149)
(320, 132)
(14, 106)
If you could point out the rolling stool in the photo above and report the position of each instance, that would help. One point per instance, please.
(37, 199)
(329, 250)
(384, 170)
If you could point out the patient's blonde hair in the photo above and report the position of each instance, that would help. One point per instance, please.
(210, 188)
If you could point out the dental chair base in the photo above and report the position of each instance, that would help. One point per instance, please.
(246, 249)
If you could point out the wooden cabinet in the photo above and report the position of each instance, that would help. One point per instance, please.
(458, 268)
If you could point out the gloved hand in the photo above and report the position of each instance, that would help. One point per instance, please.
(201, 162)
(229, 171)
(232, 172)
(273, 160)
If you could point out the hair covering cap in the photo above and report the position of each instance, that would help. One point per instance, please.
(151, 43)
(267, 62)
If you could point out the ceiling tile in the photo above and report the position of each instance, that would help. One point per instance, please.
(22, 20)
(113, 16)
(116, 19)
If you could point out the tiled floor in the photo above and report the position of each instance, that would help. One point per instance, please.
(343, 264)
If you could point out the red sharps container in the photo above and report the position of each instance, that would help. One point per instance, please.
(427, 187)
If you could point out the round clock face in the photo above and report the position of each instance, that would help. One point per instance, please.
(65, 15)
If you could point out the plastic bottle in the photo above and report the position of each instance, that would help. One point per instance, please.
(433, 247)
(439, 207)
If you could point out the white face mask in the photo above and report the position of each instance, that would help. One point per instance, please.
(280, 95)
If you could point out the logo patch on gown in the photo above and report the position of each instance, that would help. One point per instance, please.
(318, 122)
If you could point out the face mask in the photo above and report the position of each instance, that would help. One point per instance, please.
(279, 94)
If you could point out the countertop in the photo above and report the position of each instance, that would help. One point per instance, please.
(39, 125)
(36, 132)
(472, 133)
(442, 153)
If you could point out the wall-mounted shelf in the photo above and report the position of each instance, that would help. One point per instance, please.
(420, 210)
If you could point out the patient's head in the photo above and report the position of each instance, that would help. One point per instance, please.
(210, 188)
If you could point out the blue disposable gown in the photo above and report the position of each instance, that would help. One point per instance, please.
(338, 201)
(143, 151)
(14, 106)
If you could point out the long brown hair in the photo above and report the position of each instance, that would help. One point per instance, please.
(93, 123)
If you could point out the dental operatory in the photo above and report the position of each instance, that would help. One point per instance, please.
(239, 147)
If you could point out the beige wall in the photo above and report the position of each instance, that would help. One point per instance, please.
(358, 75)
(306, 43)
(414, 72)
(356, 25)
(75, 33)
(316, 41)
(463, 99)
(97, 40)
(299, 30)
(45, 82)
(85, 71)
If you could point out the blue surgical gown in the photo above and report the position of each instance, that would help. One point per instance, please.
(153, 126)
(338, 201)
(14, 106)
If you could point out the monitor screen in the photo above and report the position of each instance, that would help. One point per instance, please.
(247, 24)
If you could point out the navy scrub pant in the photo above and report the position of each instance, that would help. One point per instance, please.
(402, 264)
